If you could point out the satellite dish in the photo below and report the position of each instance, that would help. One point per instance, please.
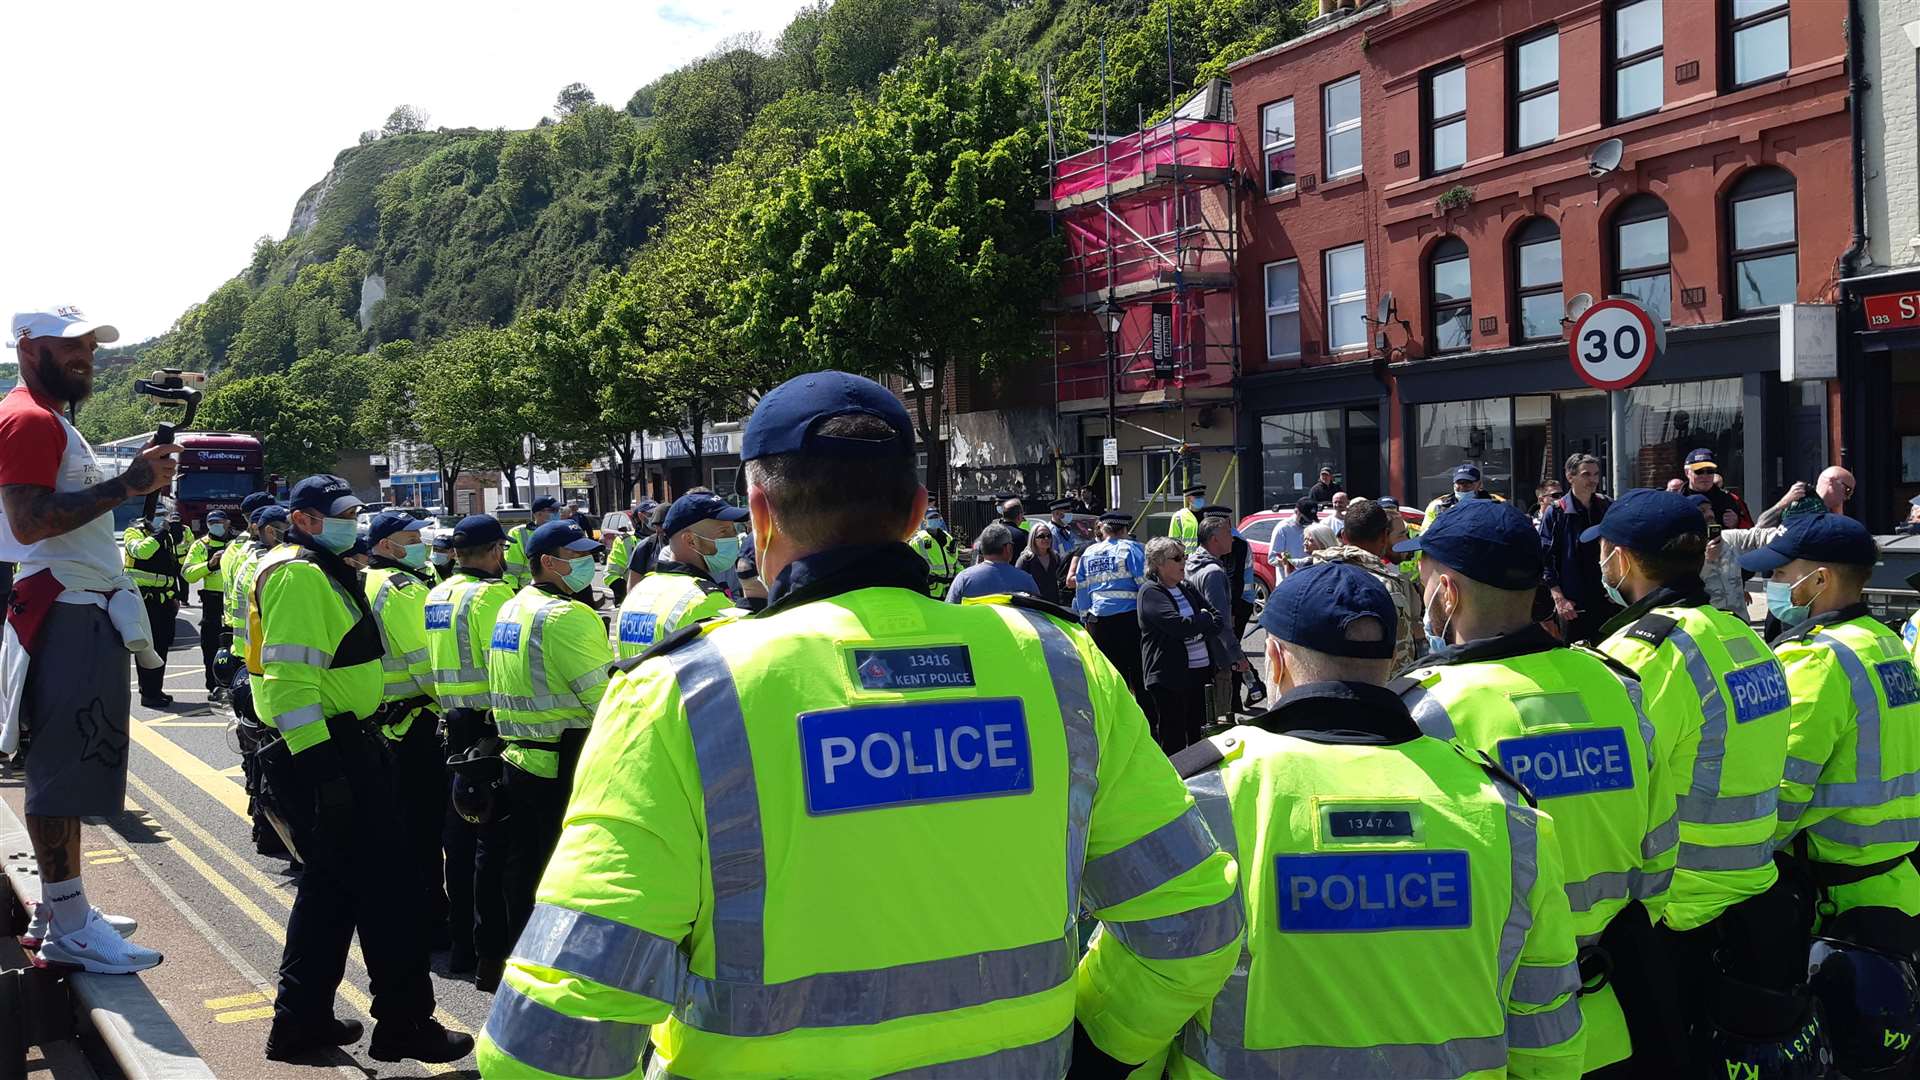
(1605, 158)
(1383, 313)
(1578, 306)
(1380, 341)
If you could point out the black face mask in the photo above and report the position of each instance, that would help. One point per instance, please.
(62, 386)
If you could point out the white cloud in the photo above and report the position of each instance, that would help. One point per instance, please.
(143, 158)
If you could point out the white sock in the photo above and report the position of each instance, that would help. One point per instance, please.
(67, 901)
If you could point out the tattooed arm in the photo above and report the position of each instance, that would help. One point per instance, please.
(38, 513)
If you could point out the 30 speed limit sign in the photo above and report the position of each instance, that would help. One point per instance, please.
(1613, 344)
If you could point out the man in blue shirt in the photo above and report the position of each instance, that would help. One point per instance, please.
(995, 573)
(1109, 574)
(1571, 568)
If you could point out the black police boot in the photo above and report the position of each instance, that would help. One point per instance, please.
(461, 960)
(292, 1040)
(421, 1040)
(487, 975)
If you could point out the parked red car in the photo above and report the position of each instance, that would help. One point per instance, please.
(1257, 529)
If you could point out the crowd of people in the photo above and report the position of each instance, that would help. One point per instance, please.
(819, 800)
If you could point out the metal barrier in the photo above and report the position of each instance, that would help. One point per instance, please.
(42, 1007)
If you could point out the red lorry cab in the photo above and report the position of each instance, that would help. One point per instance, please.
(217, 470)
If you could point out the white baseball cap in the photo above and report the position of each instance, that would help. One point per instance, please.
(58, 321)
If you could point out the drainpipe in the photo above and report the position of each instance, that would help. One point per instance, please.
(1856, 88)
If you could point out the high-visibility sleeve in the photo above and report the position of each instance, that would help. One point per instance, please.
(140, 545)
(1545, 1040)
(1166, 895)
(618, 556)
(302, 621)
(1660, 847)
(515, 557)
(1820, 717)
(578, 653)
(203, 564)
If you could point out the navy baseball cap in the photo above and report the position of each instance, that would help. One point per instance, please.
(1701, 458)
(441, 542)
(1387, 502)
(1467, 472)
(784, 421)
(1826, 538)
(1485, 539)
(645, 506)
(477, 530)
(216, 515)
(269, 515)
(690, 510)
(254, 502)
(1698, 500)
(557, 536)
(545, 502)
(325, 494)
(1644, 519)
(1313, 607)
(387, 522)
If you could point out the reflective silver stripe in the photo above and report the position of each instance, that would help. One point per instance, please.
(1149, 862)
(402, 661)
(1736, 857)
(533, 704)
(1610, 885)
(514, 730)
(1456, 1057)
(680, 607)
(1640, 711)
(1646, 886)
(1867, 792)
(1802, 771)
(536, 650)
(380, 594)
(875, 996)
(608, 952)
(1891, 831)
(466, 701)
(596, 677)
(295, 654)
(1543, 985)
(1790, 810)
(732, 802)
(1661, 839)
(1537, 1031)
(1228, 1013)
(1728, 809)
(463, 631)
(297, 718)
(1713, 706)
(1866, 704)
(463, 675)
(1185, 935)
(1042, 1059)
(1523, 869)
(1429, 713)
(553, 1042)
(1069, 675)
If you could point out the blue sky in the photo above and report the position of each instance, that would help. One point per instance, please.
(148, 145)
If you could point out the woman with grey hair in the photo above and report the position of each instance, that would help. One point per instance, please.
(1177, 647)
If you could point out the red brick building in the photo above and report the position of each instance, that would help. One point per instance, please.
(1438, 152)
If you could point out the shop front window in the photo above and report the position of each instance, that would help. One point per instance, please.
(1293, 448)
(1665, 421)
(1456, 432)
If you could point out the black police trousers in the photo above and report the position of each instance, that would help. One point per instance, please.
(1118, 637)
(212, 628)
(160, 617)
(355, 873)
(476, 899)
(421, 793)
(536, 808)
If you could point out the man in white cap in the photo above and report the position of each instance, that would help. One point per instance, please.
(63, 668)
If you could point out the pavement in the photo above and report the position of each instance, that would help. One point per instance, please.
(180, 858)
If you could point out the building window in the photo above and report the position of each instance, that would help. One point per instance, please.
(1340, 106)
(726, 484)
(1641, 268)
(1283, 310)
(1536, 90)
(1450, 296)
(1639, 70)
(1294, 447)
(1156, 486)
(1759, 31)
(1766, 263)
(1276, 143)
(1446, 119)
(1536, 271)
(1346, 281)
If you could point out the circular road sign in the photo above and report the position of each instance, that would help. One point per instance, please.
(1613, 344)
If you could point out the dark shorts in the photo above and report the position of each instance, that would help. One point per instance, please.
(74, 712)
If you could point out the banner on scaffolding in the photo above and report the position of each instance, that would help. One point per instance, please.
(1163, 363)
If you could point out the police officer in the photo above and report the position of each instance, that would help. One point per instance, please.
(315, 654)
(1719, 707)
(1013, 514)
(236, 555)
(1568, 726)
(203, 566)
(545, 674)
(620, 559)
(1065, 543)
(1185, 526)
(646, 553)
(440, 555)
(941, 550)
(519, 575)
(702, 546)
(397, 582)
(180, 539)
(460, 615)
(1107, 579)
(1848, 810)
(147, 549)
(896, 888)
(1466, 487)
(267, 525)
(1409, 838)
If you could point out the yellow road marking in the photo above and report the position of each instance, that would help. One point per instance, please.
(106, 862)
(102, 851)
(261, 1013)
(204, 776)
(186, 723)
(234, 1001)
(238, 772)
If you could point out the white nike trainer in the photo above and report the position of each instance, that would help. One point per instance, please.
(98, 948)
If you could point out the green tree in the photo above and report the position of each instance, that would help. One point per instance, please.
(306, 416)
(908, 242)
(265, 344)
(797, 50)
(474, 401)
(862, 40)
(572, 98)
(405, 120)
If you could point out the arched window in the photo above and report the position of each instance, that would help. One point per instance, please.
(1763, 249)
(1449, 296)
(1538, 300)
(1641, 266)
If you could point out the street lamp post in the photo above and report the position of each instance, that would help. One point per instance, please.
(1110, 315)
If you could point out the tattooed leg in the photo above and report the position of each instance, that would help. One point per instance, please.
(56, 846)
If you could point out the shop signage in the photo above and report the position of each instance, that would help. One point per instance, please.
(1109, 452)
(1809, 342)
(576, 479)
(1163, 367)
(1613, 344)
(1891, 311)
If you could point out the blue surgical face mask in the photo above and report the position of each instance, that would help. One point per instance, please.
(441, 558)
(339, 534)
(1436, 642)
(937, 524)
(217, 530)
(1199, 502)
(726, 552)
(1612, 589)
(1780, 601)
(416, 555)
(579, 573)
(158, 525)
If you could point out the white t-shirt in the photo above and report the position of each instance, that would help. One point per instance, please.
(44, 450)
